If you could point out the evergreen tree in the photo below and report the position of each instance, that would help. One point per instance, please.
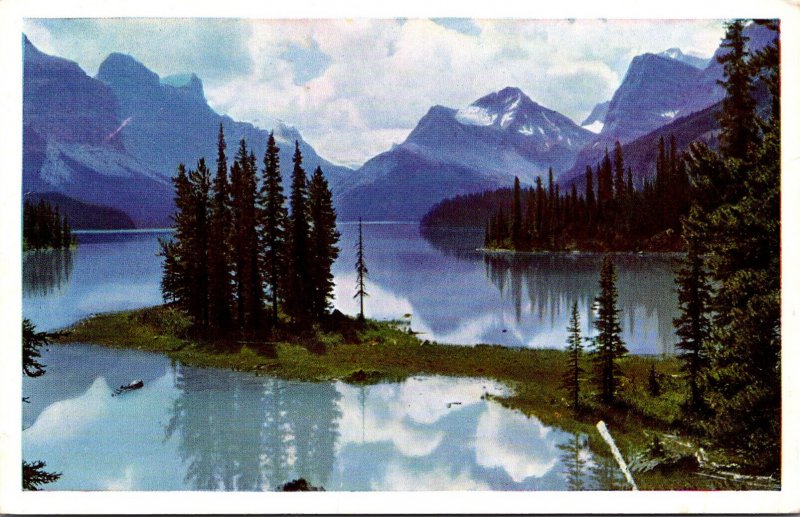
(177, 278)
(32, 341)
(604, 181)
(739, 133)
(33, 473)
(299, 266)
(198, 244)
(256, 280)
(244, 241)
(693, 326)
(44, 227)
(608, 344)
(361, 273)
(219, 260)
(619, 172)
(323, 239)
(516, 216)
(274, 225)
(590, 202)
(571, 378)
(541, 228)
(66, 233)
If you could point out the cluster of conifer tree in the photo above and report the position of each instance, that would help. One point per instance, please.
(44, 227)
(612, 216)
(729, 281)
(239, 257)
(607, 346)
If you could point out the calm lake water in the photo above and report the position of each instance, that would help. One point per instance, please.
(453, 293)
(208, 429)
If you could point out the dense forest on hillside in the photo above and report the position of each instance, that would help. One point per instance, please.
(84, 216)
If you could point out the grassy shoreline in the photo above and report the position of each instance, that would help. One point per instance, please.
(358, 352)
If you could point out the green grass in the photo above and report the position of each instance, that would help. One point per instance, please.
(371, 351)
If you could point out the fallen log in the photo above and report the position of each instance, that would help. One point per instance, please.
(601, 427)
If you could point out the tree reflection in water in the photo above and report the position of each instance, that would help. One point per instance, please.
(553, 281)
(247, 433)
(574, 461)
(45, 272)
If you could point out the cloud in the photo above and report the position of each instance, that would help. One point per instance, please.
(355, 87)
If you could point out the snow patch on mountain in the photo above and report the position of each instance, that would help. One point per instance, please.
(475, 116)
(506, 120)
(595, 127)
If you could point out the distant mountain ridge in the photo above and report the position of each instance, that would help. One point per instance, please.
(457, 151)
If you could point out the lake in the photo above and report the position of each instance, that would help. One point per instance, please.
(206, 429)
(450, 292)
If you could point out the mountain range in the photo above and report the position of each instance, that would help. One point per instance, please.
(451, 152)
(115, 139)
(660, 91)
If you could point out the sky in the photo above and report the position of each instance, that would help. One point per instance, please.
(355, 87)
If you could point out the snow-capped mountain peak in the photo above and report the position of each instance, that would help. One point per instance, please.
(689, 59)
(510, 110)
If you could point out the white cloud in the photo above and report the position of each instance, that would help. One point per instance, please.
(382, 75)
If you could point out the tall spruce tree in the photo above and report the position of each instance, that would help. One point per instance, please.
(177, 268)
(274, 221)
(361, 273)
(200, 185)
(605, 188)
(516, 216)
(693, 326)
(608, 344)
(323, 239)
(244, 239)
(619, 172)
(299, 260)
(739, 133)
(571, 378)
(590, 203)
(219, 260)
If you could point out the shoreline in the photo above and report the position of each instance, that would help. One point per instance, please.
(372, 352)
